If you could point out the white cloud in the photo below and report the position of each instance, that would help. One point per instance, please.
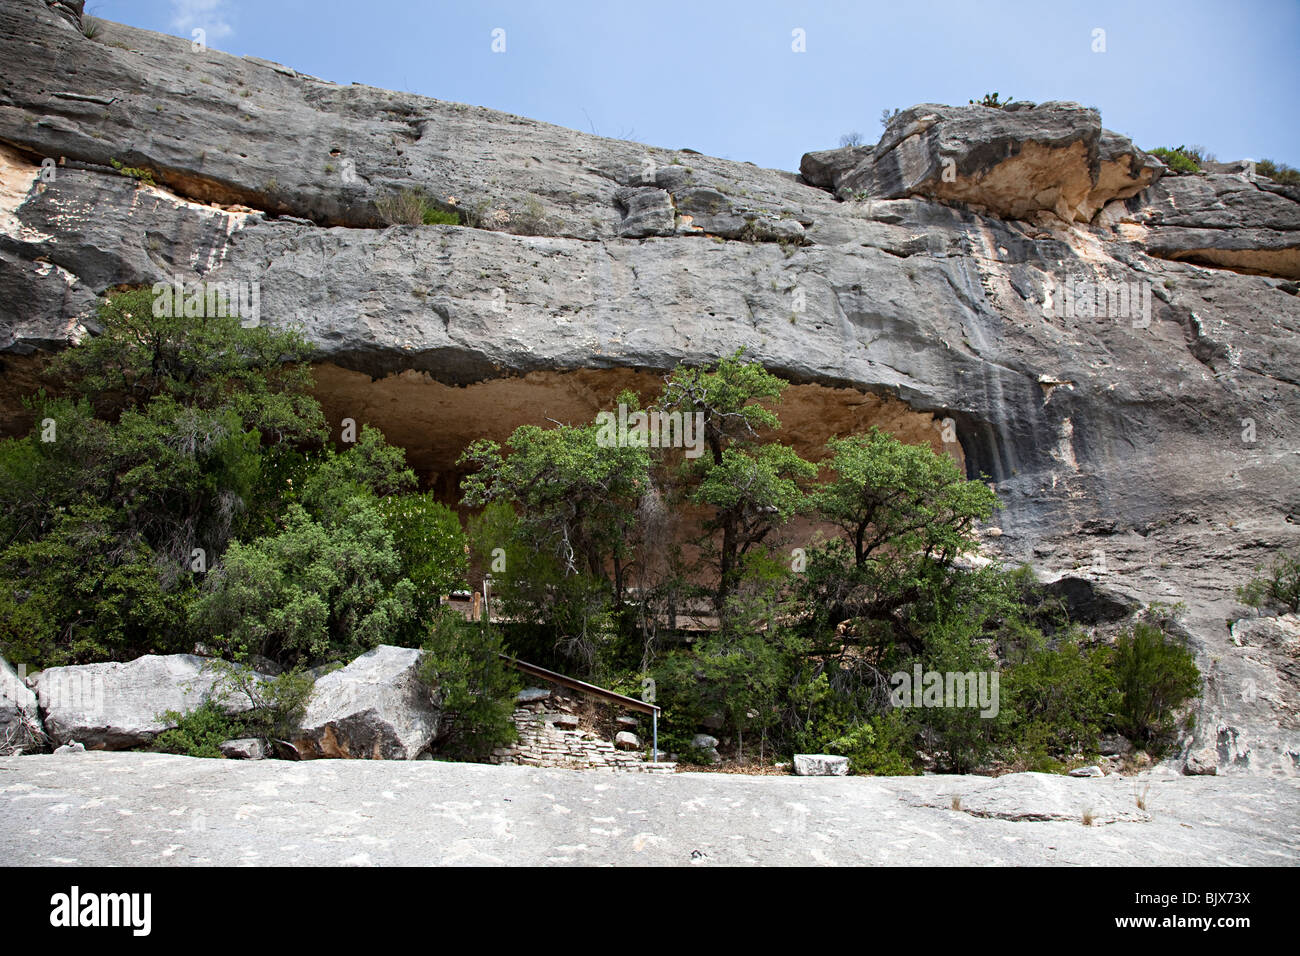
(209, 15)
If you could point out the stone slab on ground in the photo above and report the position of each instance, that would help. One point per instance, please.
(820, 765)
(142, 809)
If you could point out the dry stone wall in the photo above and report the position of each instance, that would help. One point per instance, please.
(554, 731)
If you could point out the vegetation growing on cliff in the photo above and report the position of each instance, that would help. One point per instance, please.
(184, 490)
(1181, 159)
(1278, 172)
(629, 563)
(1278, 585)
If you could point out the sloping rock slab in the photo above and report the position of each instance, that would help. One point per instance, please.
(1282, 632)
(1225, 221)
(375, 708)
(20, 722)
(117, 706)
(1040, 797)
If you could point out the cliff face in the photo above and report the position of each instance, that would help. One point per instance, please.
(950, 271)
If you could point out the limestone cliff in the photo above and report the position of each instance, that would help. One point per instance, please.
(1098, 330)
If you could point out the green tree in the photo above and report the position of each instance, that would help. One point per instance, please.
(472, 683)
(431, 543)
(87, 591)
(575, 501)
(905, 514)
(139, 479)
(259, 373)
(750, 487)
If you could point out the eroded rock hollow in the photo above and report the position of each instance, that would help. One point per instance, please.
(967, 267)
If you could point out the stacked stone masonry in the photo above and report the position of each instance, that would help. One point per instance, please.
(551, 735)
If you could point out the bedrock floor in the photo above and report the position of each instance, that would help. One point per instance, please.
(153, 809)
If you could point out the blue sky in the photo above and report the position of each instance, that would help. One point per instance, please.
(722, 78)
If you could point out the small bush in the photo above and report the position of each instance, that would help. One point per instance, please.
(991, 99)
(411, 207)
(1154, 676)
(1278, 172)
(1280, 585)
(275, 704)
(1058, 700)
(275, 707)
(433, 216)
(882, 746)
(198, 733)
(471, 683)
(141, 173)
(1180, 159)
(530, 219)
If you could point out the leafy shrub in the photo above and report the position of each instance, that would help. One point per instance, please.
(274, 708)
(991, 99)
(433, 216)
(318, 590)
(1154, 676)
(198, 733)
(1280, 585)
(275, 704)
(411, 207)
(141, 173)
(881, 746)
(471, 683)
(1278, 172)
(1058, 699)
(432, 547)
(1180, 159)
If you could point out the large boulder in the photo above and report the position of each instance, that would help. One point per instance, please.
(118, 706)
(375, 708)
(1054, 157)
(20, 721)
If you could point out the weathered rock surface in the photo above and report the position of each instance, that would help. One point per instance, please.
(99, 809)
(820, 765)
(116, 706)
(1121, 450)
(1202, 763)
(530, 694)
(245, 748)
(1051, 157)
(20, 720)
(375, 708)
(1233, 221)
(1038, 797)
